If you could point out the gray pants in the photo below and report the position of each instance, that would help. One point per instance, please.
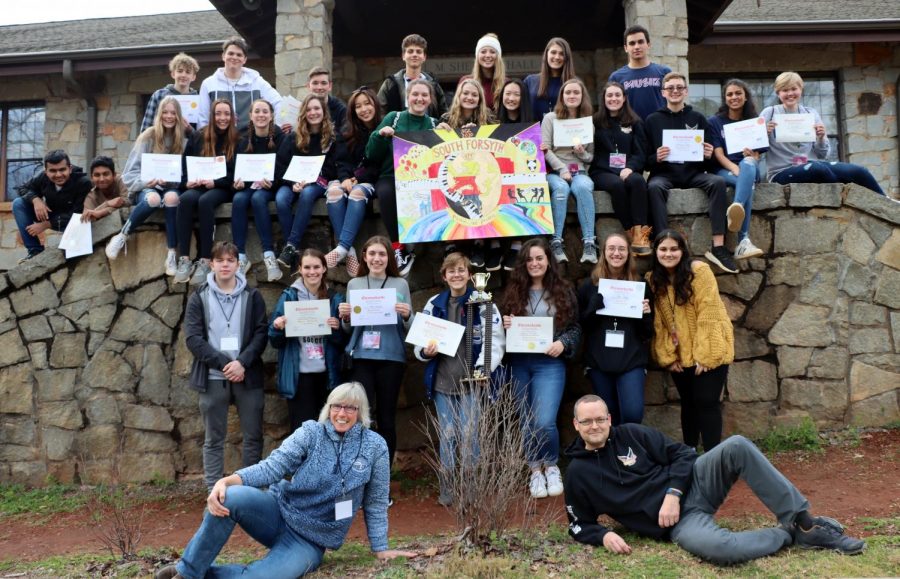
(214, 411)
(714, 474)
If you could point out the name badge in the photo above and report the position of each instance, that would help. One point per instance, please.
(615, 339)
(617, 160)
(343, 510)
(229, 344)
(371, 340)
(799, 160)
(573, 168)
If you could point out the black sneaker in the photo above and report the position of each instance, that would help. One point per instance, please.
(827, 534)
(477, 257)
(288, 257)
(405, 260)
(721, 257)
(494, 257)
(449, 248)
(509, 260)
(31, 253)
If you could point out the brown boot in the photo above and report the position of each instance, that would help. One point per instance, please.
(640, 244)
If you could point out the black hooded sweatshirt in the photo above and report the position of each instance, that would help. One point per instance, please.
(654, 124)
(627, 479)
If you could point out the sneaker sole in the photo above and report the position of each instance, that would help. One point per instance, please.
(714, 260)
(749, 254)
(735, 215)
(641, 251)
(496, 268)
(283, 263)
(834, 549)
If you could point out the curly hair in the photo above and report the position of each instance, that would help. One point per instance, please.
(683, 274)
(270, 146)
(211, 136)
(480, 116)
(560, 293)
(303, 132)
(355, 130)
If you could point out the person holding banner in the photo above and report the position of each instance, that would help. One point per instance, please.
(262, 137)
(568, 164)
(693, 337)
(739, 169)
(347, 197)
(308, 366)
(617, 348)
(203, 195)
(537, 289)
(456, 405)
(788, 161)
(379, 151)
(618, 165)
(314, 137)
(377, 352)
(488, 69)
(165, 137)
(557, 66)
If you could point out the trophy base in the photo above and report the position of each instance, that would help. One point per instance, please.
(474, 383)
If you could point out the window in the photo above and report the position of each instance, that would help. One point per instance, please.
(819, 92)
(21, 145)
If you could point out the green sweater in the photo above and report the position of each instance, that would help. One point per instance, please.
(379, 150)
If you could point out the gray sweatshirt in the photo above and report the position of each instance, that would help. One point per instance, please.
(781, 155)
(225, 317)
(559, 158)
(131, 175)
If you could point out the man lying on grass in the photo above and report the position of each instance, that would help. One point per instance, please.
(661, 489)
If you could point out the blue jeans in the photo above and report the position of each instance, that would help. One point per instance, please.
(623, 393)
(308, 197)
(143, 209)
(538, 383)
(458, 416)
(23, 212)
(284, 204)
(257, 512)
(346, 215)
(744, 185)
(258, 199)
(582, 187)
(829, 172)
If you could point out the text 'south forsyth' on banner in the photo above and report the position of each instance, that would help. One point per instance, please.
(476, 183)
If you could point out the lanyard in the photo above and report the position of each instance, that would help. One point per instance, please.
(382, 283)
(228, 316)
(537, 305)
(338, 469)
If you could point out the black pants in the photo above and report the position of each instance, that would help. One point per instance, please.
(658, 190)
(629, 197)
(382, 381)
(202, 202)
(387, 206)
(310, 396)
(701, 411)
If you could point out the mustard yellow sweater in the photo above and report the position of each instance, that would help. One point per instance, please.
(704, 330)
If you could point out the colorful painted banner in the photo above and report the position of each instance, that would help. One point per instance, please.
(475, 183)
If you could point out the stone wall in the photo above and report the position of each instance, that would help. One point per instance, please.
(93, 367)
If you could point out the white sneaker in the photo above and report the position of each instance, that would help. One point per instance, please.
(538, 485)
(554, 481)
(171, 263)
(116, 244)
(272, 269)
(244, 265)
(746, 249)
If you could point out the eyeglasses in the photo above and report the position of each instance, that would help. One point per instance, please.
(593, 421)
(345, 407)
(680, 88)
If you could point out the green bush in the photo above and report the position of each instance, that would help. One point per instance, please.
(804, 436)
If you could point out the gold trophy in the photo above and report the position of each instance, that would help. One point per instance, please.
(478, 298)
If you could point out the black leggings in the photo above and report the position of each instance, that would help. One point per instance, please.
(202, 202)
(382, 381)
(310, 396)
(386, 193)
(629, 197)
(701, 411)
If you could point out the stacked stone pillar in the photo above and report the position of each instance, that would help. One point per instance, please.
(303, 32)
(667, 22)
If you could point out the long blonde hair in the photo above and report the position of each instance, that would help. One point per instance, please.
(499, 71)
(481, 116)
(156, 133)
(326, 132)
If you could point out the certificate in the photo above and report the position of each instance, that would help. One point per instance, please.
(288, 111)
(204, 168)
(624, 299)
(76, 239)
(190, 106)
(797, 128)
(532, 335)
(685, 145)
(571, 132)
(253, 168)
(373, 307)
(749, 134)
(165, 167)
(306, 318)
(304, 169)
(426, 329)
